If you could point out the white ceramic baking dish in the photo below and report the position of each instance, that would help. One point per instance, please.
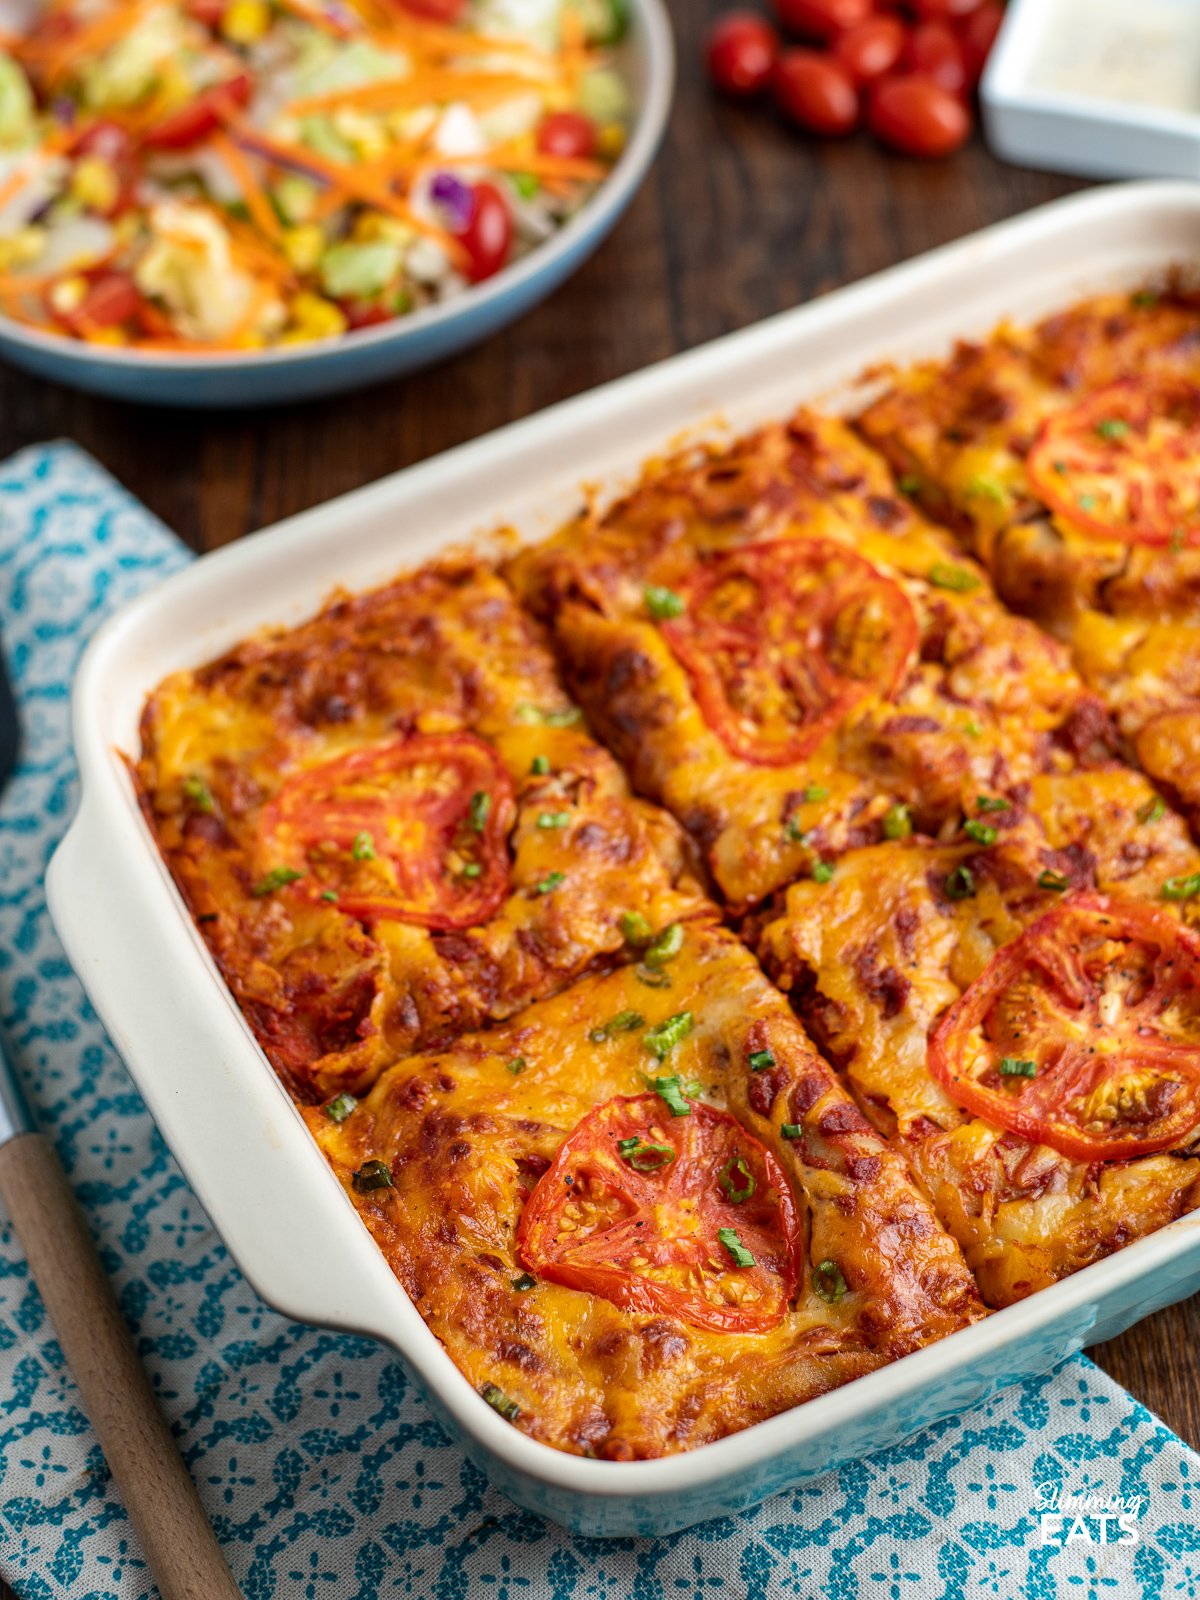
(219, 1106)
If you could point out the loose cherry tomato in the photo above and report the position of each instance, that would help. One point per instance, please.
(637, 1208)
(1122, 464)
(941, 10)
(567, 133)
(487, 237)
(782, 639)
(741, 52)
(977, 34)
(1083, 1033)
(933, 50)
(815, 91)
(111, 299)
(822, 19)
(917, 116)
(871, 49)
(200, 117)
(410, 830)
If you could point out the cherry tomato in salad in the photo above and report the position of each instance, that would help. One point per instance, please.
(815, 91)
(872, 49)
(200, 117)
(488, 235)
(933, 50)
(207, 13)
(977, 35)
(918, 117)
(741, 52)
(567, 133)
(822, 19)
(435, 10)
(111, 299)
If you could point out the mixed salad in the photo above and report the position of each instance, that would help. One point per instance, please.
(210, 175)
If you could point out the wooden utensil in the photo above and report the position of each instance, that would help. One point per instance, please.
(168, 1519)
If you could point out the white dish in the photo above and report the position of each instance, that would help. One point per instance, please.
(1104, 88)
(237, 1137)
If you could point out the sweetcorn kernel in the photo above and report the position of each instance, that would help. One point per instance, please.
(312, 318)
(22, 248)
(67, 295)
(246, 21)
(611, 140)
(303, 246)
(94, 183)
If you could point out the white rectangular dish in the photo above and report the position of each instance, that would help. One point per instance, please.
(230, 1124)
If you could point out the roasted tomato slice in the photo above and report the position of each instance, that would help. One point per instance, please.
(1125, 463)
(1083, 1034)
(654, 1212)
(781, 640)
(414, 830)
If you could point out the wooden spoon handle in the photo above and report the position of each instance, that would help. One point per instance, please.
(179, 1545)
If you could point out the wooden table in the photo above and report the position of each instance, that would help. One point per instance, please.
(740, 219)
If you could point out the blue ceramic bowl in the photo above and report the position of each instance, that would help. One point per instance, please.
(299, 372)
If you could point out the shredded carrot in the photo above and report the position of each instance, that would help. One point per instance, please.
(316, 18)
(66, 51)
(259, 207)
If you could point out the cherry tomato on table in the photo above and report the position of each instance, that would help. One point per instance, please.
(202, 116)
(872, 49)
(942, 10)
(742, 51)
(816, 91)
(822, 19)
(488, 235)
(977, 35)
(917, 116)
(933, 50)
(567, 133)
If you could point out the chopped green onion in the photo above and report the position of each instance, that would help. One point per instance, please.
(665, 946)
(524, 1283)
(539, 766)
(960, 885)
(1152, 811)
(372, 1175)
(663, 603)
(1017, 1067)
(517, 1065)
(554, 819)
(652, 977)
(363, 848)
(971, 728)
(275, 879)
(897, 822)
(909, 483)
(623, 1022)
(472, 870)
(943, 575)
(1087, 502)
(791, 1130)
(198, 793)
(1182, 888)
(340, 1107)
(794, 831)
(981, 832)
(822, 871)
(738, 1254)
(526, 184)
(1053, 880)
(635, 930)
(644, 1155)
(1145, 299)
(527, 713)
(662, 1040)
(987, 802)
(670, 1092)
(760, 1060)
(987, 489)
(330, 895)
(815, 792)
(481, 805)
(550, 882)
(1061, 468)
(736, 1181)
(828, 1282)
(1112, 428)
(499, 1401)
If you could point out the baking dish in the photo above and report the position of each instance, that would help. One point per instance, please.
(234, 1131)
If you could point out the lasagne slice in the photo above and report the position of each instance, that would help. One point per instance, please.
(1066, 456)
(392, 825)
(1019, 1012)
(792, 660)
(642, 1217)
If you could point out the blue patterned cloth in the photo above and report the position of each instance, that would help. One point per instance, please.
(321, 1468)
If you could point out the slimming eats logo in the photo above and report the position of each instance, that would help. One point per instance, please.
(1087, 1519)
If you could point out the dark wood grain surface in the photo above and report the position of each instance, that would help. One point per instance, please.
(739, 219)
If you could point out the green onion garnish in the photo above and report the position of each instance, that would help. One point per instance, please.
(960, 885)
(517, 1065)
(539, 766)
(987, 802)
(1182, 888)
(524, 1283)
(472, 870)
(663, 603)
(198, 793)
(623, 1022)
(665, 946)
(499, 1401)
(897, 822)
(662, 1040)
(791, 1130)
(987, 489)
(1112, 428)
(1153, 810)
(828, 1282)
(981, 832)
(554, 819)
(340, 1107)
(1017, 1067)
(943, 575)
(644, 1155)
(550, 882)
(481, 804)
(372, 1175)
(330, 895)
(822, 871)
(1053, 880)
(738, 1254)
(275, 879)
(565, 718)
(909, 483)
(670, 1092)
(760, 1060)
(363, 848)
(635, 930)
(794, 831)
(736, 1181)
(815, 792)
(652, 977)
